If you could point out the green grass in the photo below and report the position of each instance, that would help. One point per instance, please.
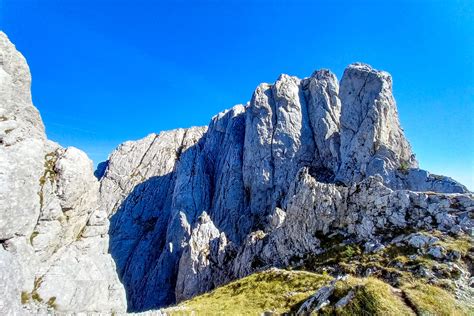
(432, 300)
(371, 297)
(463, 244)
(34, 294)
(283, 291)
(49, 172)
(272, 290)
(404, 167)
(393, 260)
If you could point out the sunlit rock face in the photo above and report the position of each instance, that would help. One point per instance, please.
(194, 208)
(178, 213)
(54, 238)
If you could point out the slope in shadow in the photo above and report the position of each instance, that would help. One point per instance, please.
(148, 229)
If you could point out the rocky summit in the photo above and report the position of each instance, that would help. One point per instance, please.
(312, 174)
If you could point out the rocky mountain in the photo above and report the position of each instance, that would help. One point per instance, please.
(268, 184)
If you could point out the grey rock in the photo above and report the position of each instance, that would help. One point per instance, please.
(421, 180)
(194, 262)
(318, 300)
(373, 246)
(372, 141)
(345, 300)
(10, 281)
(268, 175)
(278, 218)
(324, 110)
(436, 252)
(21, 145)
(47, 196)
(420, 241)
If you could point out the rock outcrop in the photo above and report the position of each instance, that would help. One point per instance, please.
(258, 188)
(191, 209)
(54, 238)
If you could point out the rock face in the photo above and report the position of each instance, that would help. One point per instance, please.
(372, 141)
(193, 209)
(54, 238)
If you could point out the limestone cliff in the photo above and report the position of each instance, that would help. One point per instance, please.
(193, 209)
(53, 235)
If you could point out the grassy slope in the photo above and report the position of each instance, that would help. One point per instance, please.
(272, 290)
(283, 291)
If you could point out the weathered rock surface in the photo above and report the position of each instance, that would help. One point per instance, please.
(318, 300)
(54, 238)
(193, 209)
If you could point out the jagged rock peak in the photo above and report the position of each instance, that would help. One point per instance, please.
(303, 157)
(372, 141)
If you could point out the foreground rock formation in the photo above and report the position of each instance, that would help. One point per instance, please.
(53, 235)
(272, 183)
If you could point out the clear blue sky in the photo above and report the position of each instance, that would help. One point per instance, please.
(109, 71)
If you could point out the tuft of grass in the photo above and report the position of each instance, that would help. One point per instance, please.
(33, 235)
(49, 163)
(52, 302)
(431, 300)
(404, 167)
(336, 254)
(49, 173)
(25, 298)
(35, 296)
(272, 290)
(371, 297)
(463, 244)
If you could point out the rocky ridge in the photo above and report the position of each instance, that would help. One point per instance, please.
(266, 184)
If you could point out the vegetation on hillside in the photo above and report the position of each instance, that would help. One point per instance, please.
(395, 280)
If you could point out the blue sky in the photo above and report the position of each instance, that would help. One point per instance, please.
(109, 71)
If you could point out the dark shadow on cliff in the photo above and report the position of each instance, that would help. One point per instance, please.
(146, 230)
(140, 219)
